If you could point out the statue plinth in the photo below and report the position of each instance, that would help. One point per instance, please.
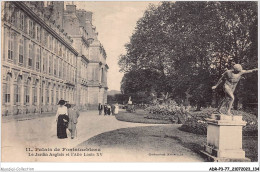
(224, 139)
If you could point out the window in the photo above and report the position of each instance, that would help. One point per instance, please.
(44, 64)
(17, 93)
(52, 96)
(50, 64)
(46, 38)
(21, 50)
(11, 46)
(35, 94)
(38, 34)
(47, 95)
(64, 53)
(42, 96)
(50, 42)
(56, 46)
(55, 65)
(30, 55)
(60, 49)
(70, 58)
(31, 28)
(21, 21)
(6, 90)
(38, 56)
(26, 94)
(12, 14)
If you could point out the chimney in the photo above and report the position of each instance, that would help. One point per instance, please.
(71, 8)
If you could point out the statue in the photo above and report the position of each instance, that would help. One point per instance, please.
(231, 78)
(129, 101)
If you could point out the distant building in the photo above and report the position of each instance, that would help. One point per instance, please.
(50, 53)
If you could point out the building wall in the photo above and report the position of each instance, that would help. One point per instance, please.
(91, 59)
(44, 61)
(41, 63)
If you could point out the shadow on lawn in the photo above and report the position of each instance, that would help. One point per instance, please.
(192, 146)
(161, 139)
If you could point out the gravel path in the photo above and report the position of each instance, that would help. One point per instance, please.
(41, 133)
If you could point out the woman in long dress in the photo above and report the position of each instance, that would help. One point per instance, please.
(62, 120)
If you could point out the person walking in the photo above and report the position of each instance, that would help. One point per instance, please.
(108, 109)
(113, 109)
(73, 119)
(116, 109)
(62, 120)
(105, 109)
(100, 108)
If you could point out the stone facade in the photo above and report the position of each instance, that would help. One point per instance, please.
(50, 53)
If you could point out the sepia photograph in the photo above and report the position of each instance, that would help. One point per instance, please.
(129, 81)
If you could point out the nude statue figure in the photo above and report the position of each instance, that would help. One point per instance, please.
(231, 78)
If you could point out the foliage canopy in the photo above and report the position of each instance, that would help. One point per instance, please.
(184, 47)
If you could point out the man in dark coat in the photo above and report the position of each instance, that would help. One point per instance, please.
(100, 108)
(113, 109)
(73, 119)
(105, 109)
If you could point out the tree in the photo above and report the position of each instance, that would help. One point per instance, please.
(189, 45)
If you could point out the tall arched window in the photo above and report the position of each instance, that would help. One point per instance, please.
(21, 50)
(17, 90)
(30, 57)
(27, 91)
(6, 89)
(11, 45)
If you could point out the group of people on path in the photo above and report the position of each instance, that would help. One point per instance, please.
(108, 109)
(66, 117)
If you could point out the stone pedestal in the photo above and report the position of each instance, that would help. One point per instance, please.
(224, 139)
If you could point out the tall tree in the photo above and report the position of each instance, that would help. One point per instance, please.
(190, 44)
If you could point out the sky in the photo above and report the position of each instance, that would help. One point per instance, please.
(115, 22)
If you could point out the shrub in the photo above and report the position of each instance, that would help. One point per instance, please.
(197, 124)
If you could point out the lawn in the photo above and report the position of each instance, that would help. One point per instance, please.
(162, 138)
(250, 142)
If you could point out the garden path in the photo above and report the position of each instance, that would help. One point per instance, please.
(41, 133)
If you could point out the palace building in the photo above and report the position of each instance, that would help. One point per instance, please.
(49, 53)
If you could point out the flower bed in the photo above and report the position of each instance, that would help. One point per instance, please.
(168, 111)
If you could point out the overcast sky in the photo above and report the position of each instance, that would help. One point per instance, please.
(115, 23)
